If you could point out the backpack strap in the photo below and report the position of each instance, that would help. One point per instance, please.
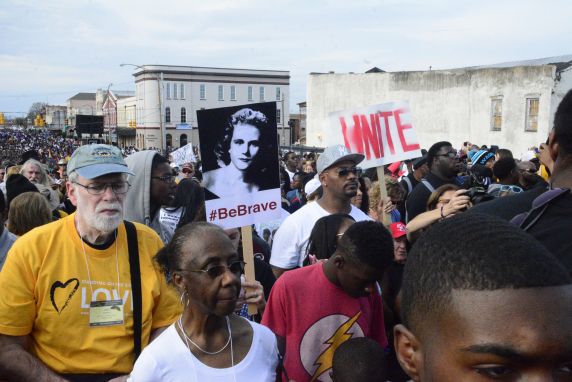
(409, 184)
(527, 219)
(135, 271)
(428, 185)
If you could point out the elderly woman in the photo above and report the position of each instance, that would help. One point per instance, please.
(208, 342)
(243, 155)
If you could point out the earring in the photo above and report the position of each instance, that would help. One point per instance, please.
(185, 295)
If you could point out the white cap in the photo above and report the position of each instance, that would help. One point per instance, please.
(312, 186)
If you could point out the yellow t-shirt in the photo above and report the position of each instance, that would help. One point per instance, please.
(46, 293)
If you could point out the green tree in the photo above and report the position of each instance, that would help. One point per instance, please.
(20, 122)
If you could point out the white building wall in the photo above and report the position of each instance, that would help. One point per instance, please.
(453, 105)
(150, 116)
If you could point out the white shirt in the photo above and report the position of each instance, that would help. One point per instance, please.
(291, 239)
(167, 359)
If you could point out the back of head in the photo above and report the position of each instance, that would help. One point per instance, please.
(323, 239)
(503, 168)
(472, 252)
(191, 196)
(359, 359)
(369, 243)
(27, 211)
(504, 153)
(17, 184)
(563, 125)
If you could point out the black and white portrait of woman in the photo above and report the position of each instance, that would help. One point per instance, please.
(243, 157)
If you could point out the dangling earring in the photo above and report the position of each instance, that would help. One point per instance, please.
(185, 295)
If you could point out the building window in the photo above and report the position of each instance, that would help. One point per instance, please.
(496, 114)
(169, 140)
(531, 114)
(168, 91)
(250, 94)
(277, 94)
(202, 92)
(183, 140)
(183, 115)
(167, 114)
(175, 91)
(233, 93)
(182, 91)
(261, 93)
(278, 114)
(220, 93)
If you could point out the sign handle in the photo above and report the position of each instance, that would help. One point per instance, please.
(381, 179)
(248, 256)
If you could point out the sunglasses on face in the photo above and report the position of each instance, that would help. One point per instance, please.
(214, 271)
(344, 171)
(514, 189)
(187, 171)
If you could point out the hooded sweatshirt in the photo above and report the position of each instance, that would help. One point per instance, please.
(138, 200)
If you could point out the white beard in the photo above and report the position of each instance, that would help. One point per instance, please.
(95, 220)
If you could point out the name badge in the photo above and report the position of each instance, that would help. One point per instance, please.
(106, 313)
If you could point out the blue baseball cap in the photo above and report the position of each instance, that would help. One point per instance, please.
(92, 161)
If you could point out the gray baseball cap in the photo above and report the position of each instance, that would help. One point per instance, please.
(92, 161)
(335, 154)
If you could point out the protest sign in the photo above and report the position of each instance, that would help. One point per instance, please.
(383, 133)
(183, 155)
(239, 150)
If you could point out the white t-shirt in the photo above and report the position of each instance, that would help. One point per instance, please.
(291, 239)
(290, 173)
(167, 359)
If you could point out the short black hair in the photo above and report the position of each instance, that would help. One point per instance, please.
(472, 251)
(369, 243)
(504, 153)
(563, 124)
(359, 359)
(434, 149)
(323, 238)
(285, 157)
(503, 167)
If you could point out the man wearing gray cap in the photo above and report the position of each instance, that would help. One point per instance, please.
(338, 176)
(82, 295)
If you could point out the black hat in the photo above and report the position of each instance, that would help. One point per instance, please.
(419, 162)
(18, 184)
(30, 154)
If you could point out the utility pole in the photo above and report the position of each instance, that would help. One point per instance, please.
(160, 94)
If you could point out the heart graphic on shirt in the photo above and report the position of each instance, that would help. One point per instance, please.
(61, 293)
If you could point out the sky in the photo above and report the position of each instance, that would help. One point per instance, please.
(51, 50)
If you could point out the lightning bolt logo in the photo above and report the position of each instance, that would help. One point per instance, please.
(324, 360)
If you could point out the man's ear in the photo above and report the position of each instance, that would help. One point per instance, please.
(408, 351)
(70, 188)
(338, 259)
(552, 146)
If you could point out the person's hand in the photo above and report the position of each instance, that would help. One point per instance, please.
(388, 205)
(545, 157)
(253, 294)
(459, 202)
(312, 259)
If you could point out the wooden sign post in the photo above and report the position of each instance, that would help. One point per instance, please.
(248, 256)
(381, 179)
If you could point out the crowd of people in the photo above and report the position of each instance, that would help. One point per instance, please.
(453, 266)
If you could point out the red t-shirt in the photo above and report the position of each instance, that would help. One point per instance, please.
(316, 317)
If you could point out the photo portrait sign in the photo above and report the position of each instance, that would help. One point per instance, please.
(383, 133)
(239, 152)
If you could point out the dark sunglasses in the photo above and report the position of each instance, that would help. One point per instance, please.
(187, 171)
(344, 171)
(236, 267)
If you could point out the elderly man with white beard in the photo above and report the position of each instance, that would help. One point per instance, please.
(81, 296)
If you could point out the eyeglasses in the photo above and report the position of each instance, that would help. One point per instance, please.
(450, 154)
(344, 171)
(515, 189)
(100, 188)
(236, 267)
(186, 171)
(165, 178)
